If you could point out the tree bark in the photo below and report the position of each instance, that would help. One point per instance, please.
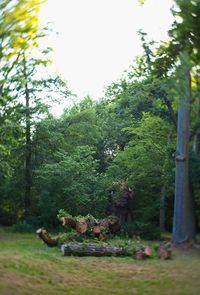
(122, 199)
(184, 221)
(81, 249)
(172, 115)
(80, 225)
(50, 242)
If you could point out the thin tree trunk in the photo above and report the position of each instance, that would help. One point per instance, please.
(196, 142)
(162, 209)
(170, 109)
(184, 221)
(28, 151)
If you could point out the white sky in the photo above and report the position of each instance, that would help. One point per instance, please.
(97, 39)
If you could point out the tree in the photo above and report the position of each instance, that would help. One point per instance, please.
(183, 50)
(184, 223)
(18, 31)
(22, 88)
(68, 183)
(186, 35)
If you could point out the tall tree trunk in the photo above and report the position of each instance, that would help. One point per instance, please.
(28, 151)
(184, 221)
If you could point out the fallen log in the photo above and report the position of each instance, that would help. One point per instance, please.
(51, 242)
(91, 249)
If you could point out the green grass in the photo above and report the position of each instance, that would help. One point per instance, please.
(27, 266)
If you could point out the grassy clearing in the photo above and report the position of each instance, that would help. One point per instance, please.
(29, 267)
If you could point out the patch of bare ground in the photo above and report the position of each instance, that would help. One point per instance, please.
(14, 278)
(13, 283)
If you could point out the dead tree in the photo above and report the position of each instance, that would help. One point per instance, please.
(122, 197)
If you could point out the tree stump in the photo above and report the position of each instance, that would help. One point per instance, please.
(143, 252)
(165, 251)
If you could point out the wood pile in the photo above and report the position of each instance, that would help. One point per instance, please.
(87, 228)
(100, 229)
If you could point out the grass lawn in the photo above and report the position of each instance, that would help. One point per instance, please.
(27, 266)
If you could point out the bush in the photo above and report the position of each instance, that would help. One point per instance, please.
(23, 227)
(146, 231)
(7, 218)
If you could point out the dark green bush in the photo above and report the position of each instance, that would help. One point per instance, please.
(146, 231)
(7, 218)
(23, 227)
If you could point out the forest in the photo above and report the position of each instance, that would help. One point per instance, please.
(134, 153)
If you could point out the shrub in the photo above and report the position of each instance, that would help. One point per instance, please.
(23, 227)
(146, 231)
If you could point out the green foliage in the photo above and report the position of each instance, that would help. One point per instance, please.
(76, 159)
(140, 229)
(20, 58)
(69, 236)
(147, 231)
(63, 213)
(23, 227)
(70, 182)
(185, 29)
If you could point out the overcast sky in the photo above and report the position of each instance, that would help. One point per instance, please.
(97, 39)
